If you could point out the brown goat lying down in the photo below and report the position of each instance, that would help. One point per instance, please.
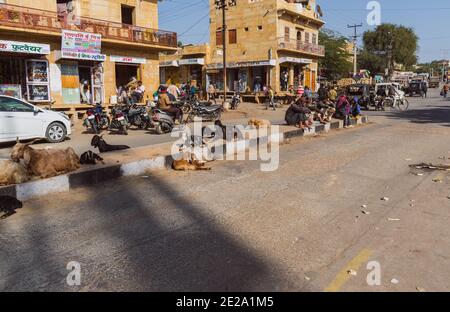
(46, 163)
(12, 172)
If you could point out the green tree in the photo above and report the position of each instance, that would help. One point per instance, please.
(337, 61)
(389, 44)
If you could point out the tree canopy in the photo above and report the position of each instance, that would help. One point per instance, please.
(386, 45)
(337, 61)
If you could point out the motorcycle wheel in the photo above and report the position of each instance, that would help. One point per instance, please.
(124, 130)
(186, 108)
(403, 105)
(163, 128)
(94, 127)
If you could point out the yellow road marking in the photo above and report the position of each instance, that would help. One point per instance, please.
(342, 277)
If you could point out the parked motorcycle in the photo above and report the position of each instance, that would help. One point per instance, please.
(208, 112)
(235, 101)
(161, 121)
(97, 119)
(137, 116)
(119, 120)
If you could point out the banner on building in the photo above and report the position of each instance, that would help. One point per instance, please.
(127, 59)
(24, 47)
(82, 45)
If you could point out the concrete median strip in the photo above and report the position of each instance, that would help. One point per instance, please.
(101, 173)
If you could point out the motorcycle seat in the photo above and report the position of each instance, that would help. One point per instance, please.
(211, 108)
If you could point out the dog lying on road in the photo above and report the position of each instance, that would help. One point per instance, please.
(259, 123)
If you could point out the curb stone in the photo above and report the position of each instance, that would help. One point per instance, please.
(92, 176)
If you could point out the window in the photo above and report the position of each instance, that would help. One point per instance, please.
(307, 37)
(246, 28)
(13, 105)
(286, 33)
(127, 14)
(260, 27)
(219, 40)
(314, 38)
(232, 36)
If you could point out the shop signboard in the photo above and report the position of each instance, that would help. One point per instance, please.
(24, 47)
(168, 64)
(13, 90)
(288, 59)
(38, 82)
(243, 64)
(193, 61)
(127, 59)
(81, 45)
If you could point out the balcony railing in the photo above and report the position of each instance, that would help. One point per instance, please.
(300, 46)
(33, 19)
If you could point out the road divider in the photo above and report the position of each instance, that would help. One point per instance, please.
(137, 161)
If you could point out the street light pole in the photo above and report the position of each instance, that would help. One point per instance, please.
(223, 5)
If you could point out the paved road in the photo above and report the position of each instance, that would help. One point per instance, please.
(300, 228)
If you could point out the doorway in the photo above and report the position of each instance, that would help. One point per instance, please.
(125, 73)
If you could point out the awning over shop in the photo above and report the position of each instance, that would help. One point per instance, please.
(242, 64)
(288, 59)
(24, 47)
(193, 61)
(127, 59)
(168, 64)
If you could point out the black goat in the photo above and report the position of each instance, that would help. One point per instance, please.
(90, 158)
(8, 205)
(103, 147)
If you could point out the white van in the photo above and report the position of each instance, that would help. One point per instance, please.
(20, 119)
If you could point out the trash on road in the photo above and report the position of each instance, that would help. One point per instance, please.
(364, 206)
(385, 198)
(420, 289)
(437, 180)
(393, 219)
(307, 278)
(365, 212)
(408, 159)
(352, 272)
(429, 166)
(395, 281)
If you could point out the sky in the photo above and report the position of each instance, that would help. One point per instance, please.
(190, 19)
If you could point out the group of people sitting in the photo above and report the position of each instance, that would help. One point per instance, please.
(303, 111)
(132, 92)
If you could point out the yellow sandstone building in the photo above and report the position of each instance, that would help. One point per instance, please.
(73, 52)
(269, 43)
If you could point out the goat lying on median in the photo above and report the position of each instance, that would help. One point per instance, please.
(103, 147)
(45, 163)
(12, 172)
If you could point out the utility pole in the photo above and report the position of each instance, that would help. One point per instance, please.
(355, 48)
(444, 63)
(223, 5)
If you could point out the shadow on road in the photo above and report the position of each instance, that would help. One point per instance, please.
(165, 243)
(427, 115)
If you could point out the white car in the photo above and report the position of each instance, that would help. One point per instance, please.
(20, 119)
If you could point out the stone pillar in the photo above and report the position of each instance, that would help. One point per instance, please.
(291, 75)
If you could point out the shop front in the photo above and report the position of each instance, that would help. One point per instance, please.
(169, 72)
(81, 68)
(24, 70)
(192, 70)
(296, 71)
(242, 76)
(127, 68)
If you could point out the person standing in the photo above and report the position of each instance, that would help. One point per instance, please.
(271, 100)
(424, 89)
(332, 95)
(212, 93)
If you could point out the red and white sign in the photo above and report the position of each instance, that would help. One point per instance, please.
(127, 59)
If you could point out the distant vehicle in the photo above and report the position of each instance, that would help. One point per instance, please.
(434, 82)
(20, 119)
(415, 88)
(363, 93)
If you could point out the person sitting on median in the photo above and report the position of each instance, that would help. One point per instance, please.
(165, 104)
(298, 114)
